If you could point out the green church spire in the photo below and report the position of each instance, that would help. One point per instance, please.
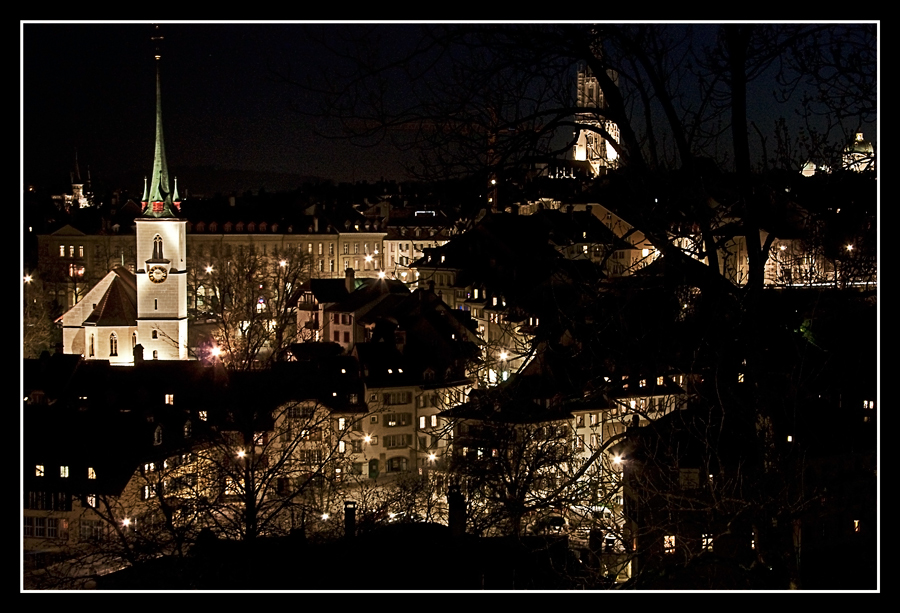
(158, 203)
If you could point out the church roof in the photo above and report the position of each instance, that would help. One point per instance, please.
(118, 306)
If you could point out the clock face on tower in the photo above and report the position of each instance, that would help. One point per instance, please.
(157, 274)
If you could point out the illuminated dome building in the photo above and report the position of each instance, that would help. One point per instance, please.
(859, 155)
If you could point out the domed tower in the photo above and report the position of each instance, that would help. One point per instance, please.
(859, 155)
(161, 270)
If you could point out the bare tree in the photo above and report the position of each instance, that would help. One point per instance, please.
(246, 306)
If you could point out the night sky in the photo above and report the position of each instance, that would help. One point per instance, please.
(90, 87)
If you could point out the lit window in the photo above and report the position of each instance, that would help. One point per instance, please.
(92, 474)
(342, 423)
(39, 470)
(202, 415)
(707, 542)
(64, 471)
(62, 251)
(91, 500)
(659, 380)
(434, 419)
(421, 422)
(643, 383)
(669, 543)
(342, 446)
(170, 398)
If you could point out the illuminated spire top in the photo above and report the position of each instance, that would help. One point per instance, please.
(160, 202)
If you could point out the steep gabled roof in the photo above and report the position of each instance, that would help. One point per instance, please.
(118, 306)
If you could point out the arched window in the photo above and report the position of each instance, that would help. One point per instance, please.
(133, 340)
(157, 436)
(91, 347)
(113, 344)
(157, 247)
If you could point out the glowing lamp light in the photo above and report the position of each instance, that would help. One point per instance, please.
(241, 453)
(368, 258)
(367, 438)
(432, 457)
(27, 278)
(325, 516)
(216, 352)
(209, 269)
(282, 263)
(850, 248)
(126, 522)
(381, 274)
(503, 355)
(617, 460)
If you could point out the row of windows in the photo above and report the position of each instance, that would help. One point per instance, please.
(39, 471)
(48, 501)
(62, 251)
(46, 527)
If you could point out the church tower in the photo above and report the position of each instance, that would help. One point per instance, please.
(591, 145)
(161, 268)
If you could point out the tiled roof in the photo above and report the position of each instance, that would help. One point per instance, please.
(118, 306)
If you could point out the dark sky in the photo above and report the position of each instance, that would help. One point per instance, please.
(90, 87)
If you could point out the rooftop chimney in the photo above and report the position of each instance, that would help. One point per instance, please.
(349, 281)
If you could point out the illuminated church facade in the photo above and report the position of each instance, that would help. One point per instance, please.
(141, 314)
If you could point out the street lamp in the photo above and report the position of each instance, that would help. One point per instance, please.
(209, 268)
